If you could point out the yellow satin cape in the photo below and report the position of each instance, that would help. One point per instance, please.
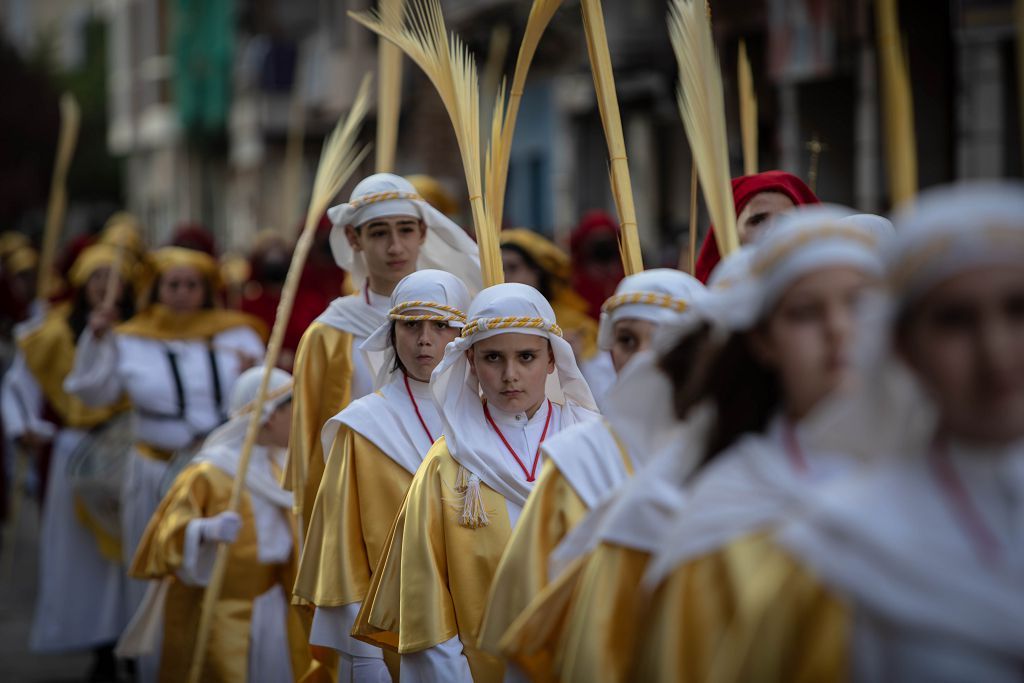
(49, 351)
(203, 490)
(746, 612)
(160, 322)
(550, 513)
(360, 495)
(323, 387)
(433, 578)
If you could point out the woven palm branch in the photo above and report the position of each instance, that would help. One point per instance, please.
(702, 106)
(503, 128)
(897, 104)
(421, 34)
(608, 106)
(338, 162)
(389, 96)
(748, 111)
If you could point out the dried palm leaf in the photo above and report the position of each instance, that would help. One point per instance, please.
(338, 162)
(702, 107)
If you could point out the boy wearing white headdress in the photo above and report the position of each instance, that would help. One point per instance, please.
(374, 447)
(255, 635)
(913, 571)
(497, 406)
(583, 464)
(384, 232)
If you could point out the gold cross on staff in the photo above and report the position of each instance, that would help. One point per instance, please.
(815, 146)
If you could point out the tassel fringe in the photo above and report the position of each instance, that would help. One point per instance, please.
(473, 514)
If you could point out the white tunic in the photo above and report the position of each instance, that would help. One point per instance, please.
(163, 416)
(80, 602)
(269, 656)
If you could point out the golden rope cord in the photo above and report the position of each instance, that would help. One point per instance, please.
(511, 321)
(768, 261)
(383, 197)
(646, 298)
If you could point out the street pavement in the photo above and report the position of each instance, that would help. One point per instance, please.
(17, 597)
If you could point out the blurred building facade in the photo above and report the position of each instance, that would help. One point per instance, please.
(204, 96)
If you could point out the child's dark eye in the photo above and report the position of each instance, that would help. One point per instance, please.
(527, 357)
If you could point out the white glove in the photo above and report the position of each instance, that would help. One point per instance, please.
(221, 528)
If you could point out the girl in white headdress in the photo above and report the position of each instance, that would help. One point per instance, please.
(914, 570)
(788, 348)
(256, 636)
(507, 384)
(374, 448)
(583, 464)
(383, 233)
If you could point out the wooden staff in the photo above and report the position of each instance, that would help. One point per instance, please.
(338, 161)
(897, 105)
(56, 208)
(608, 106)
(748, 110)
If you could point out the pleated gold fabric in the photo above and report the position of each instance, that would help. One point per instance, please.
(745, 612)
(323, 376)
(360, 495)
(203, 490)
(603, 619)
(551, 511)
(49, 352)
(434, 575)
(790, 628)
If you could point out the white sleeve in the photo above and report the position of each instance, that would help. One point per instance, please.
(95, 378)
(437, 664)
(21, 400)
(243, 340)
(198, 556)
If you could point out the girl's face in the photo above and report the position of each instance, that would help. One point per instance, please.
(96, 287)
(420, 345)
(182, 289)
(518, 270)
(965, 341)
(629, 337)
(278, 427)
(512, 369)
(808, 336)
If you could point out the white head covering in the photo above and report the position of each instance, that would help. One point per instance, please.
(659, 296)
(502, 309)
(223, 446)
(953, 229)
(447, 246)
(886, 539)
(800, 242)
(423, 295)
(395, 416)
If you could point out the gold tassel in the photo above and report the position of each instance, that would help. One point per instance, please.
(473, 514)
(702, 106)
